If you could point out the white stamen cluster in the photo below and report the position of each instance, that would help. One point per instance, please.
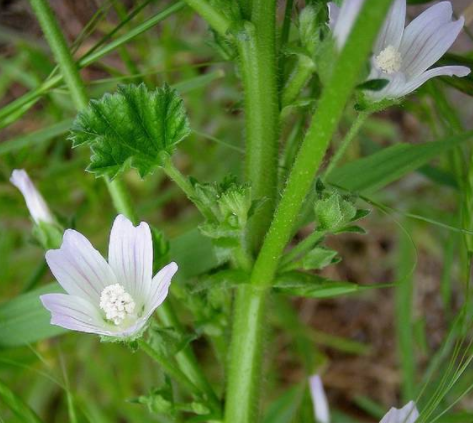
(389, 60)
(116, 303)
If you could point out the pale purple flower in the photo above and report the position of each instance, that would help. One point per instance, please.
(113, 299)
(319, 400)
(341, 19)
(404, 56)
(37, 207)
(407, 414)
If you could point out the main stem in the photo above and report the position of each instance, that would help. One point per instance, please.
(244, 380)
(257, 50)
(120, 197)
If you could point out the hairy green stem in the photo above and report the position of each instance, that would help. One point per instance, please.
(351, 134)
(121, 199)
(244, 380)
(217, 21)
(324, 123)
(256, 44)
(118, 192)
(303, 70)
(186, 358)
(258, 64)
(301, 248)
(61, 51)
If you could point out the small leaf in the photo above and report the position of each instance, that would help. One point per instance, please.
(134, 126)
(333, 210)
(354, 229)
(318, 258)
(168, 341)
(159, 400)
(361, 214)
(373, 85)
(311, 286)
(309, 29)
(224, 279)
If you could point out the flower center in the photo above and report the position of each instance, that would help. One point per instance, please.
(116, 303)
(389, 60)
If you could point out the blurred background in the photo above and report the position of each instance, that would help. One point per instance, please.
(373, 348)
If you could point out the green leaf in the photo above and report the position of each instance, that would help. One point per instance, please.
(24, 320)
(318, 258)
(284, 408)
(224, 279)
(311, 286)
(133, 127)
(159, 400)
(371, 173)
(36, 138)
(17, 406)
(168, 341)
(373, 85)
(309, 29)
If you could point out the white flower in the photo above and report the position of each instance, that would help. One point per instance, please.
(403, 56)
(407, 414)
(341, 19)
(111, 299)
(319, 400)
(38, 208)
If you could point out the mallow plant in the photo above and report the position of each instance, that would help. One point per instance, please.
(323, 62)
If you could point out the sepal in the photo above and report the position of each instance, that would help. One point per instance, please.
(332, 209)
(48, 235)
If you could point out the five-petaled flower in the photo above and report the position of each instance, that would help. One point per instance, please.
(404, 56)
(406, 414)
(113, 299)
(37, 207)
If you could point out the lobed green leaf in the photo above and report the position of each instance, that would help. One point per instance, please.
(132, 127)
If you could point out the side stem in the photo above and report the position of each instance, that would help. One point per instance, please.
(118, 192)
(61, 51)
(169, 367)
(351, 134)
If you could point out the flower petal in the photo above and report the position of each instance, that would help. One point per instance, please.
(319, 400)
(407, 414)
(333, 13)
(433, 48)
(345, 20)
(79, 267)
(75, 313)
(130, 255)
(416, 82)
(393, 28)
(428, 36)
(159, 288)
(37, 207)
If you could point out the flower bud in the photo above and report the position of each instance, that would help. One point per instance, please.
(37, 207)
